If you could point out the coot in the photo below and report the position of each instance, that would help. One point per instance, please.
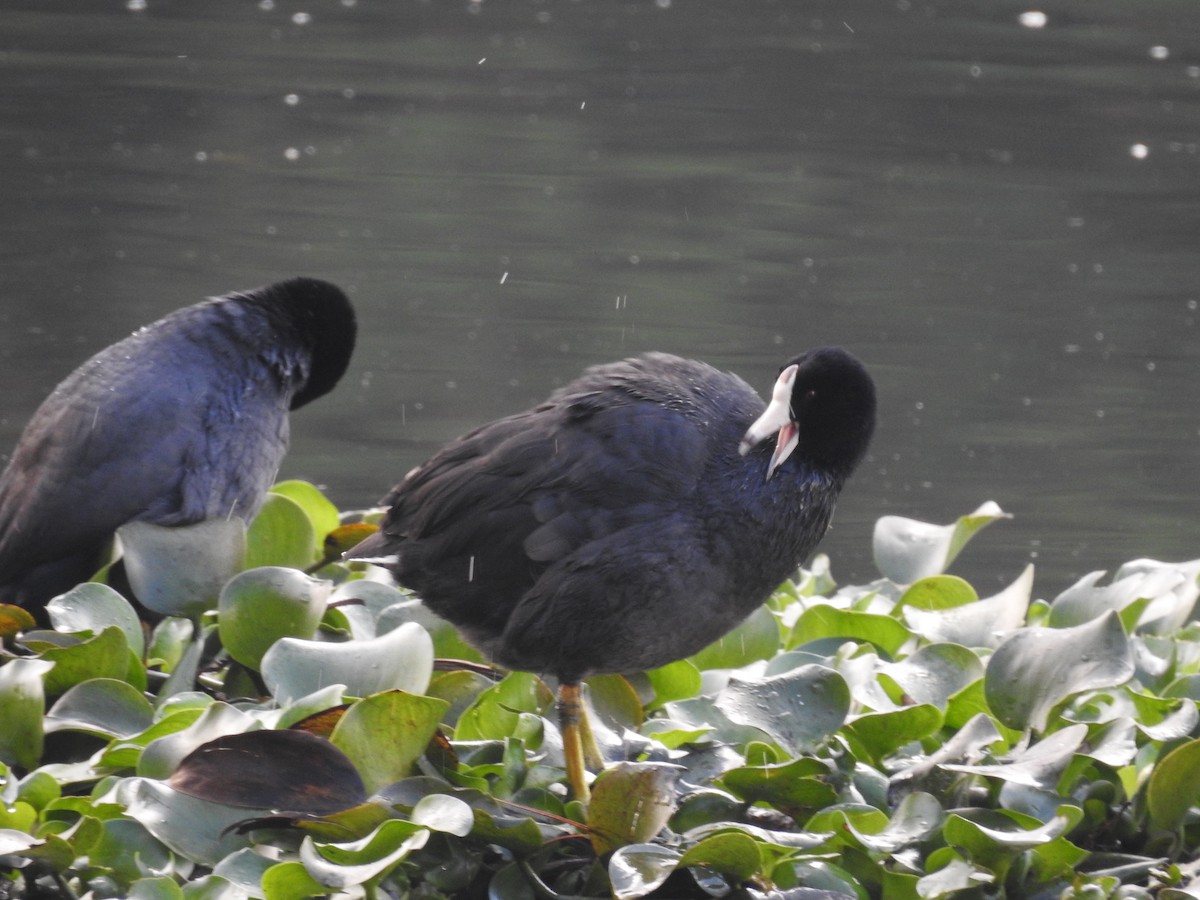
(184, 420)
(635, 516)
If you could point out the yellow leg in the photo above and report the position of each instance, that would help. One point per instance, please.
(573, 721)
(591, 750)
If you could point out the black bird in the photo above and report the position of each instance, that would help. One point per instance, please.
(184, 420)
(632, 518)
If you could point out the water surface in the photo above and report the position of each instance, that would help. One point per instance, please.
(994, 204)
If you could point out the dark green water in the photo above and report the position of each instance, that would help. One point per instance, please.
(1003, 220)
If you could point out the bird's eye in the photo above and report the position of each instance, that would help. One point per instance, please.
(810, 394)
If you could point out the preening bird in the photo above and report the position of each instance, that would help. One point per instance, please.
(635, 516)
(184, 420)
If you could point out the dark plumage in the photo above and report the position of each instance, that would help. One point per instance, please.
(636, 515)
(184, 420)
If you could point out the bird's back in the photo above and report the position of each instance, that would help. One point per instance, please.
(184, 420)
(625, 459)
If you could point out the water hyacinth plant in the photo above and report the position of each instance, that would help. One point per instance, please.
(292, 727)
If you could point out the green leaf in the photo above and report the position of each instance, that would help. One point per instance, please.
(448, 643)
(831, 880)
(18, 815)
(459, 689)
(401, 659)
(798, 783)
(291, 881)
(158, 887)
(342, 825)
(169, 642)
(1084, 600)
(105, 655)
(733, 853)
(822, 621)
(180, 571)
(1174, 786)
(259, 606)
(1037, 668)
(898, 885)
(212, 887)
(321, 513)
(128, 850)
(520, 835)
(385, 734)
(983, 623)
(442, 812)
(674, 681)
(496, 711)
(281, 535)
(613, 703)
(638, 869)
(1058, 859)
(798, 709)
(198, 830)
(935, 673)
(93, 607)
(1036, 766)
(341, 866)
(757, 637)
(883, 733)
(163, 755)
(907, 550)
(970, 702)
(14, 841)
(185, 671)
(125, 753)
(937, 592)
(954, 878)
(1171, 608)
(671, 735)
(917, 817)
(376, 597)
(631, 803)
(22, 701)
(101, 706)
(38, 789)
(995, 837)
(245, 869)
(1164, 720)
(837, 819)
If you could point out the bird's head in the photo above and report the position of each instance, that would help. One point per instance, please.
(822, 409)
(322, 319)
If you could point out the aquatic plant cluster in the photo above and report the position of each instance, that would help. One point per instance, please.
(296, 726)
